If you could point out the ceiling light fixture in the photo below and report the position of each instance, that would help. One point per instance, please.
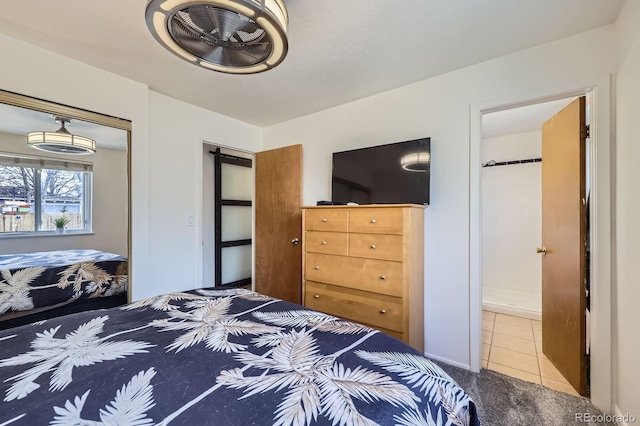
(61, 141)
(230, 36)
(416, 162)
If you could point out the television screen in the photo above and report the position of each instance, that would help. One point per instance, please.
(396, 173)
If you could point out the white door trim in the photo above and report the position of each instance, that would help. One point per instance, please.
(600, 213)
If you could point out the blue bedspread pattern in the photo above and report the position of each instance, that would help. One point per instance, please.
(55, 278)
(223, 357)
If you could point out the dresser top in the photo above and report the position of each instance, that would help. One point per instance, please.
(377, 206)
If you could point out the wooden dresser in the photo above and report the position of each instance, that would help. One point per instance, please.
(366, 264)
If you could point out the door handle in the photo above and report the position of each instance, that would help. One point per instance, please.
(542, 250)
(295, 241)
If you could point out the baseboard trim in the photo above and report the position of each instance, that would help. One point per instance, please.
(448, 361)
(511, 310)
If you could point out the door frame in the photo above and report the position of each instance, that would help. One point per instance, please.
(200, 209)
(601, 210)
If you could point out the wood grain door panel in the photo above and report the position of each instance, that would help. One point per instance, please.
(563, 235)
(278, 220)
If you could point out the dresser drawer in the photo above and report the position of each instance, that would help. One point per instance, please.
(326, 220)
(376, 220)
(376, 276)
(361, 306)
(391, 333)
(374, 246)
(326, 242)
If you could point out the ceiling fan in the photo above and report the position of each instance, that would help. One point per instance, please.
(231, 36)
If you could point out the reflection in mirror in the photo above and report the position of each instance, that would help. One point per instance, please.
(64, 222)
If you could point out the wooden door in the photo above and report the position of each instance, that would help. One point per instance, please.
(563, 236)
(278, 257)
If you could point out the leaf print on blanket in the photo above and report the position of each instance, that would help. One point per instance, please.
(316, 320)
(83, 271)
(212, 324)
(163, 301)
(14, 289)
(129, 407)
(80, 348)
(432, 380)
(239, 292)
(119, 281)
(317, 385)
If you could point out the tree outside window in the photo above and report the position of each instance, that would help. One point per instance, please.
(32, 198)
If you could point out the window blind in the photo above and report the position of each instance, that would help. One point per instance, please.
(20, 160)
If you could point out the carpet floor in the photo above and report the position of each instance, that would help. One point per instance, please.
(503, 400)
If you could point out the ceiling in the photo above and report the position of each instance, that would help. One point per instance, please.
(523, 119)
(339, 51)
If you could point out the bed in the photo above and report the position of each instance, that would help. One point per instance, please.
(36, 286)
(223, 357)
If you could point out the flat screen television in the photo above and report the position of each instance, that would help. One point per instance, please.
(396, 173)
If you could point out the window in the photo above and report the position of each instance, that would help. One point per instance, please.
(34, 192)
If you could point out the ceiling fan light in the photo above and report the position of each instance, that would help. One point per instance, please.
(278, 52)
(232, 36)
(234, 70)
(61, 141)
(416, 162)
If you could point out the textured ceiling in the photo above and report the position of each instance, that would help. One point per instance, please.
(521, 119)
(340, 50)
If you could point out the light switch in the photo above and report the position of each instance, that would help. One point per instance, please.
(190, 221)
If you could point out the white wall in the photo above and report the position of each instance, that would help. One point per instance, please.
(439, 107)
(80, 85)
(512, 224)
(109, 205)
(166, 156)
(626, 345)
(177, 131)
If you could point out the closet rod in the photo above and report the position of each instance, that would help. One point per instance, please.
(493, 163)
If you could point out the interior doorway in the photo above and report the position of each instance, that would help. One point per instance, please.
(511, 231)
(228, 182)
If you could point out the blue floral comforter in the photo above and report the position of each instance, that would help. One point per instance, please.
(55, 278)
(219, 357)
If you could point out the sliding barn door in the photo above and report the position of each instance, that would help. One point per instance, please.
(233, 191)
(278, 252)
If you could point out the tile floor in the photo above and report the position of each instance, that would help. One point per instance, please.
(513, 346)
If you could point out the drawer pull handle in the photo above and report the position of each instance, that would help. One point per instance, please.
(324, 219)
(383, 311)
(373, 221)
(324, 243)
(383, 277)
(317, 296)
(373, 246)
(316, 268)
